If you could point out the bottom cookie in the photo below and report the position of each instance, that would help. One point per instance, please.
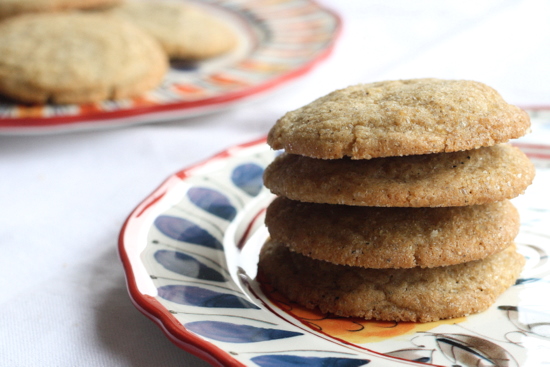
(416, 294)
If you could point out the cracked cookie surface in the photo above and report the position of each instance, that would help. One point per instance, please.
(374, 237)
(396, 118)
(416, 294)
(472, 177)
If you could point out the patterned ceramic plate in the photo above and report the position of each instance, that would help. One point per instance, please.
(190, 252)
(280, 40)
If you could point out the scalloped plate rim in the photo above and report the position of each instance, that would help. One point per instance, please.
(148, 305)
(152, 308)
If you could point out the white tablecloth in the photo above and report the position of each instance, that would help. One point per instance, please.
(64, 197)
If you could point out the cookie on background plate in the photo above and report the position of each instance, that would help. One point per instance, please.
(185, 31)
(10, 8)
(374, 237)
(416, 294)
(396, 118)
(471, 177)
(76, 57)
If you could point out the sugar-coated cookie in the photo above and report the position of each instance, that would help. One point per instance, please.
(471, 177)
(416, 294)
(396, 118)
(185, 31)
(374, 237)
(76, 58)
(16, 7)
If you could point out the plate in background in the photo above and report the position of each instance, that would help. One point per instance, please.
(280, 41)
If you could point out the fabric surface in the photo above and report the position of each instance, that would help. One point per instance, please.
(64, 197)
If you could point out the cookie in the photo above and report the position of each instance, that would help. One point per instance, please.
(184, 31)
(416, 294)
(374, 237)
(471, 177)
(76, 58)
(10, 8)
(396, 118)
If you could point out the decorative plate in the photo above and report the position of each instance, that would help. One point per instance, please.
(280, 41)
(190, 252)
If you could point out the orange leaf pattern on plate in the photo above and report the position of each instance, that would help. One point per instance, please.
(350, 329)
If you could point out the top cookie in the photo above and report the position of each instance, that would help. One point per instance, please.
(76, 57)
(184, 31)
(10, 8)
(396, 118)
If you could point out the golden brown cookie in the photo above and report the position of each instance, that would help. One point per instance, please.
(76, 58)
(15, 7)
(396, 118)
(185, 31)
(417, 294)
(446, 179)
(374, 237)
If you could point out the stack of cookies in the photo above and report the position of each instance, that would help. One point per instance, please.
(393, 200)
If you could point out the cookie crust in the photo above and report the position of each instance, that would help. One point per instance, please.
(76, 58)
(472, 177)
(184, 31)
(417, 294)
(396, 118)
(374, 237)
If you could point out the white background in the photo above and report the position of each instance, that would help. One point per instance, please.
(64, 197)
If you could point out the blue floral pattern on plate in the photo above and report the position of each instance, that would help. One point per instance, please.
(190, 253)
